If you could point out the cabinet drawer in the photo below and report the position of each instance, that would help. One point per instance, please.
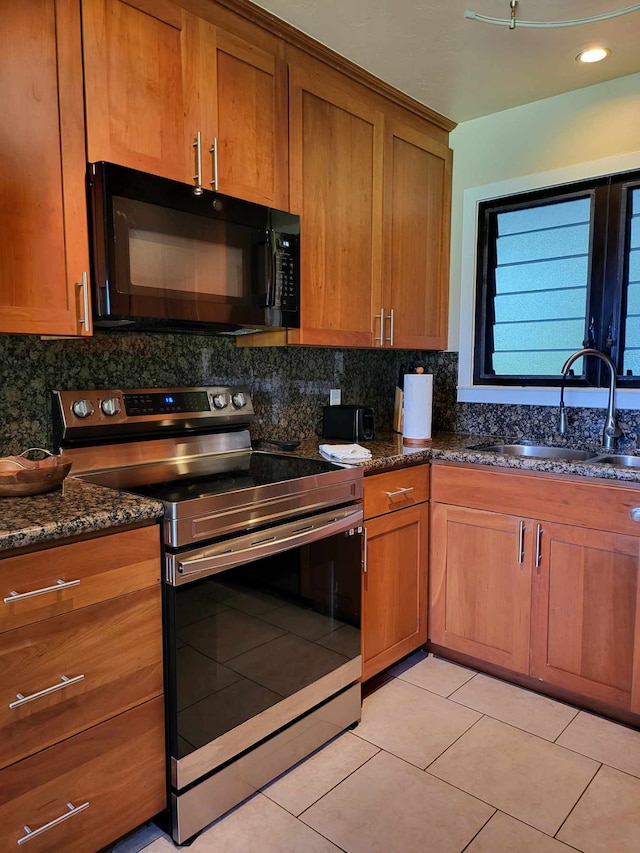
(395, 490)
(116, 768)
(98, 569)
(113, 649)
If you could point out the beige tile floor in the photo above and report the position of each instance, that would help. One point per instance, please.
(445, 760)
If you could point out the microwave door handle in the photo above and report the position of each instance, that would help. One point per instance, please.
(264, 278)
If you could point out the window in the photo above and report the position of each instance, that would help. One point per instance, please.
(557, 270)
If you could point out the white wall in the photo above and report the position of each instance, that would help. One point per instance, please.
(590, 124)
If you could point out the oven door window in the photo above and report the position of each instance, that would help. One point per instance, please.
(244, 639)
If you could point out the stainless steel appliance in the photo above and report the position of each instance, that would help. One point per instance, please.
(169, 256)
(262, 562)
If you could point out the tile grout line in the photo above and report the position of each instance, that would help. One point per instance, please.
(598, 769)
(578, 711)
(466, 847)
(306, 825)
(333, 787)
(453, 742)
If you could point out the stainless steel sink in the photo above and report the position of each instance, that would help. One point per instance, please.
(541, 451)
(619, 461)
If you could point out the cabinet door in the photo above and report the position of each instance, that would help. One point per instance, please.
(336, 187)
(586, 614)
(43, 221)
(417, 211)
(252, 124)
(135, 54)
(480, 599)
(394, 607)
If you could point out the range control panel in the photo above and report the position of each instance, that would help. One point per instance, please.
(95, 414)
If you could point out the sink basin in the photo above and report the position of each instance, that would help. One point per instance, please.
(541, 451)
(619, 461)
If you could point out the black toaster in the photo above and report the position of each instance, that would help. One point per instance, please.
(351, 423)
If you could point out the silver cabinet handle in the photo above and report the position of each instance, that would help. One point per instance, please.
(399, 492)
(365, 551)
(214, 150)
(32, 833)
(521, 543)
(197, 144)
(64, 682)
(390, 338)
(20, 596)
(380, 317)
(634, 512)
(84, 284)
(538, 545)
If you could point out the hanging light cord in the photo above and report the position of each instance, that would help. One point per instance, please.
(511, 20)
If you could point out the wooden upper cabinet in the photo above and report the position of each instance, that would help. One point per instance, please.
(336, 141)
(157, 75)
(417, 213)
(586, 614)
(43, 221)
(252, 126)
(134, 57)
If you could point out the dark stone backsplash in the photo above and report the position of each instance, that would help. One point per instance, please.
(289, 385)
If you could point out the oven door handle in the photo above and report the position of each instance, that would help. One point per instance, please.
(183, 568)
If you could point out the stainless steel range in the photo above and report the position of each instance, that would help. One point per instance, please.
(262, 562)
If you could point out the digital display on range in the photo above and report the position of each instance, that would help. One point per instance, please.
(160, 403)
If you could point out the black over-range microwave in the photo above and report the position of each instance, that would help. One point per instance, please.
(166, 258)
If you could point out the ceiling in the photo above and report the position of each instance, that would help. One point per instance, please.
(462, 68)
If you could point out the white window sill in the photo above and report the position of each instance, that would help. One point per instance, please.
(530, 396)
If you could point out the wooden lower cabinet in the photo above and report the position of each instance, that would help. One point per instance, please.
(394, 580)
(586, 614)
(114, 770)
(81, 694)
(555, 602)
(480, 586)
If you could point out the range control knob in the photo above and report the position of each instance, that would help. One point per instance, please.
(220, 401)
(82, 408)
(111, 406)
(239, 400)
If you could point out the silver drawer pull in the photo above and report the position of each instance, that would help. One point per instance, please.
(399, 492)
(59, 584)
(32, 833)
(634, 512)
(262, 541)
(64, 682)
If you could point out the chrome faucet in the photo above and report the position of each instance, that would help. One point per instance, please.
(611, 431)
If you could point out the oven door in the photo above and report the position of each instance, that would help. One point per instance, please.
(261, 629)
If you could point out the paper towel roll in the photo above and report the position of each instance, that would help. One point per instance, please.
(418, 404)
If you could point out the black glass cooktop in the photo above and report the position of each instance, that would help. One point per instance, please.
(245, 471)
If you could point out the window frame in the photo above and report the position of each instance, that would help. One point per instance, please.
(606, 285)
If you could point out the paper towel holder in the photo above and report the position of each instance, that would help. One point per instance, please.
(415, 442)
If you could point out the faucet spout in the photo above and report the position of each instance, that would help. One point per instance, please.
(611, 431)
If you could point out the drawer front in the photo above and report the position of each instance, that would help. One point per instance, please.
(67, 577)
(116, 768)
(580, 501)
(395, 490)
(110, 653)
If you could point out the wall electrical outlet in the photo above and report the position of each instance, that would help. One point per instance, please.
(335, 397)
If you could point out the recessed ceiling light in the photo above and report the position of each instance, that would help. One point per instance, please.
(593, 54)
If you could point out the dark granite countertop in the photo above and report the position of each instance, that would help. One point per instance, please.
(388, 453)
(80, 507)
(70, 510)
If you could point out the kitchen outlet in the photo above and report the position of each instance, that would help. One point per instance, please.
(335, 397)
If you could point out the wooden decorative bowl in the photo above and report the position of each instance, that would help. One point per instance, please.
(21, 476)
